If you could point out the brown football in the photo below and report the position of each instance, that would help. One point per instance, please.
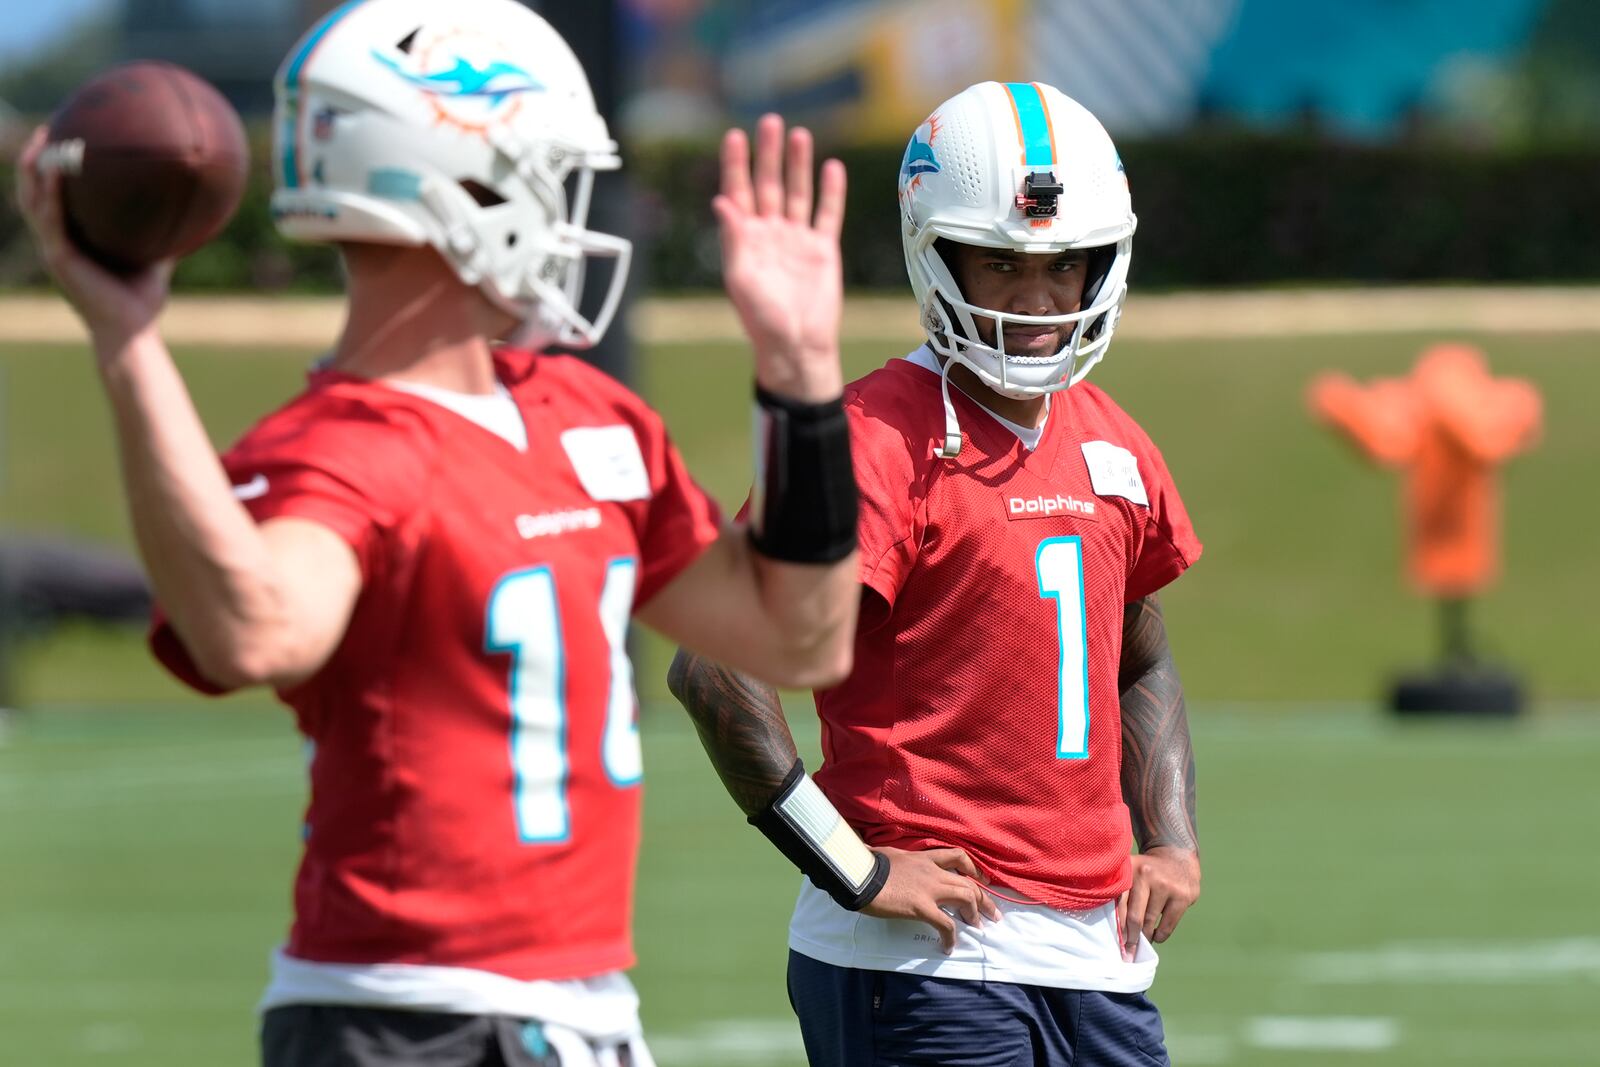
(153, 163)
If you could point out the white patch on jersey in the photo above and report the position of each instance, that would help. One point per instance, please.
(254, 489)
(1114, 471)
(608, 462)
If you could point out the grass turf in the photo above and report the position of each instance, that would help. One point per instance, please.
(1405, 888)
(1412, 883)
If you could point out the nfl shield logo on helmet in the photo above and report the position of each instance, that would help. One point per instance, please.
(322, 123)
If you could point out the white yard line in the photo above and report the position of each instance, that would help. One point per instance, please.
(46, 994)
(729, 1043)
(1194, 1049)
(141, 783)
(1333, 1033)
(313, 322)
(109, 1038)
(1458, 963)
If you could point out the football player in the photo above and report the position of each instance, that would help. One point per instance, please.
(433, 553)
(1013, 722)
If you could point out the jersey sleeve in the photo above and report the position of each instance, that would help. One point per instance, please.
(357, 475)
(170, 652)
(681, 520)
(1169, 546)
(890, 528)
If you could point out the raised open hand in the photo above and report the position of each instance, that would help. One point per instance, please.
(780, 257)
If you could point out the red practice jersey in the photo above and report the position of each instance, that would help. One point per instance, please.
(982, 711)
(475, 760)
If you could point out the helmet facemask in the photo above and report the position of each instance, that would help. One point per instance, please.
(952, 323)
(528, 251)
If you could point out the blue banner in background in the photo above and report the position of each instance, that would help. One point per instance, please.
(1361, 65)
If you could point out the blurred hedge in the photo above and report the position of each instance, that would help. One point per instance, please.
(1214, 209)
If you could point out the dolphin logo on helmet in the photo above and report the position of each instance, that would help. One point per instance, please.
(919, 159)
(495, 81)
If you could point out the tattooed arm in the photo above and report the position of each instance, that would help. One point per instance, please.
(1157, 779)
(741, 725)
(1157, 760)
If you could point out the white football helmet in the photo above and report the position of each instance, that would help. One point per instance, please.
(1019, 166)
(468, 126)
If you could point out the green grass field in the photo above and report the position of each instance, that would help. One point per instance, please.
(1299, 596)
(1409, 896)
(1375, 894)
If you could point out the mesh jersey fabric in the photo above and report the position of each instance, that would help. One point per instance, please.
(948, 731)
(416, 848)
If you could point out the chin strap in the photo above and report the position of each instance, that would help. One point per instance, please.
(952, 428)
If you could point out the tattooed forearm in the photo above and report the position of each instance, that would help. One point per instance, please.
(1157, 758)
(740, 722)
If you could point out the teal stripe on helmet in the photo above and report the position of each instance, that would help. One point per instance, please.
(1037, 143)
(291, 85)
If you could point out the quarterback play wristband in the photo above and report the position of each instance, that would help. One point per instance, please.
(803, 505)
(808, 830)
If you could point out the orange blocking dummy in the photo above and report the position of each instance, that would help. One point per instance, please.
(1449, 425)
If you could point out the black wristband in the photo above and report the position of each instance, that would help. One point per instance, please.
(806, 828)
(803, 508)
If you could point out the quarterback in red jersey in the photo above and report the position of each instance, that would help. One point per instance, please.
(1013, 723)
(433, 553)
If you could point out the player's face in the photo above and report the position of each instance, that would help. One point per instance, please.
(1022, 283)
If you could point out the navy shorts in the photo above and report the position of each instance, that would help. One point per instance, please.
(855, 1018)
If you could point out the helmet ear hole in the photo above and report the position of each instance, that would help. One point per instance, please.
(945, 249)
(511, 240)
(949, 316)
(482, 194)
(1096, 269)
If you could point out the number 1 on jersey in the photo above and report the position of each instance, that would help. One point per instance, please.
(1059, 564)
(525, 620)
